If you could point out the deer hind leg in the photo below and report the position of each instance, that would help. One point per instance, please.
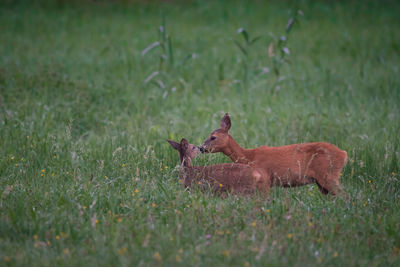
(323, 190)
(329, 184)
(327, 174)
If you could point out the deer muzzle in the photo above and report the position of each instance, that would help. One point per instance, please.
(203, 149)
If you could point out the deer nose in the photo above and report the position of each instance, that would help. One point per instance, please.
(202, 150)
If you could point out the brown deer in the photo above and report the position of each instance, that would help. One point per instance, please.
(290, 165)
(238, 178)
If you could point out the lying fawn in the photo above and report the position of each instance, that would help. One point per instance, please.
(239, 178)
(290, 165)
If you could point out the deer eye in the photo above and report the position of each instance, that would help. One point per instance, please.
(213, 138)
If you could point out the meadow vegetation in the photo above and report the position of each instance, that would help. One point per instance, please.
(89, 93)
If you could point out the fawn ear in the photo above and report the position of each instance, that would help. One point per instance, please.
(225, 123)
(175, 145)
(184, 144)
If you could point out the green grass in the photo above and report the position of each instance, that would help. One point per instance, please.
(81, 131)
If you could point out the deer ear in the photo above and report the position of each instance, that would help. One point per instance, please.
(184, 144)
(175, 145)
(225, 123)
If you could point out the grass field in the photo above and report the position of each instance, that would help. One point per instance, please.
(87, 178)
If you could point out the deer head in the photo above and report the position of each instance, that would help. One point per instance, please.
(186, 151)
(219, 138)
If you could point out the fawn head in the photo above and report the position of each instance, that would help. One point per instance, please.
(186, 151)
(219, 138)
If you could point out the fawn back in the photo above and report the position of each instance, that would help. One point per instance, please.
(238, 178)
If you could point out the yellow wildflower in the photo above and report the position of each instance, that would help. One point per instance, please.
(225, 253)
(254, 224)
(267, 211)
(57, 237)
(309, 224)
(218, 232)
(255, 249)
(123, 165)
(166, 167)
(178, 258)
(178, 212)
(157, 256)
(43, 170)
(290, 235)
(137, 191)
(66, 251)
(122, 251)
(154, 205)
(335, 255)
(119, 219)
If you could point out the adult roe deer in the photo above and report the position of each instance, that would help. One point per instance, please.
(239, 178)
(290, 165)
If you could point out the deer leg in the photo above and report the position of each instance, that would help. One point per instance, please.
(332, 187)
(263, 183)
(265, 189)
(323, 190)
(329, 185)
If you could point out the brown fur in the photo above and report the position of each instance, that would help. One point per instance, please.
(237, 178)
(290, 165)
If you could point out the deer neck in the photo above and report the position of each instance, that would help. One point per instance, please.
(235, 152)
(186, 162)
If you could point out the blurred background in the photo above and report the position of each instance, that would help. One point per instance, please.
(90, 91)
